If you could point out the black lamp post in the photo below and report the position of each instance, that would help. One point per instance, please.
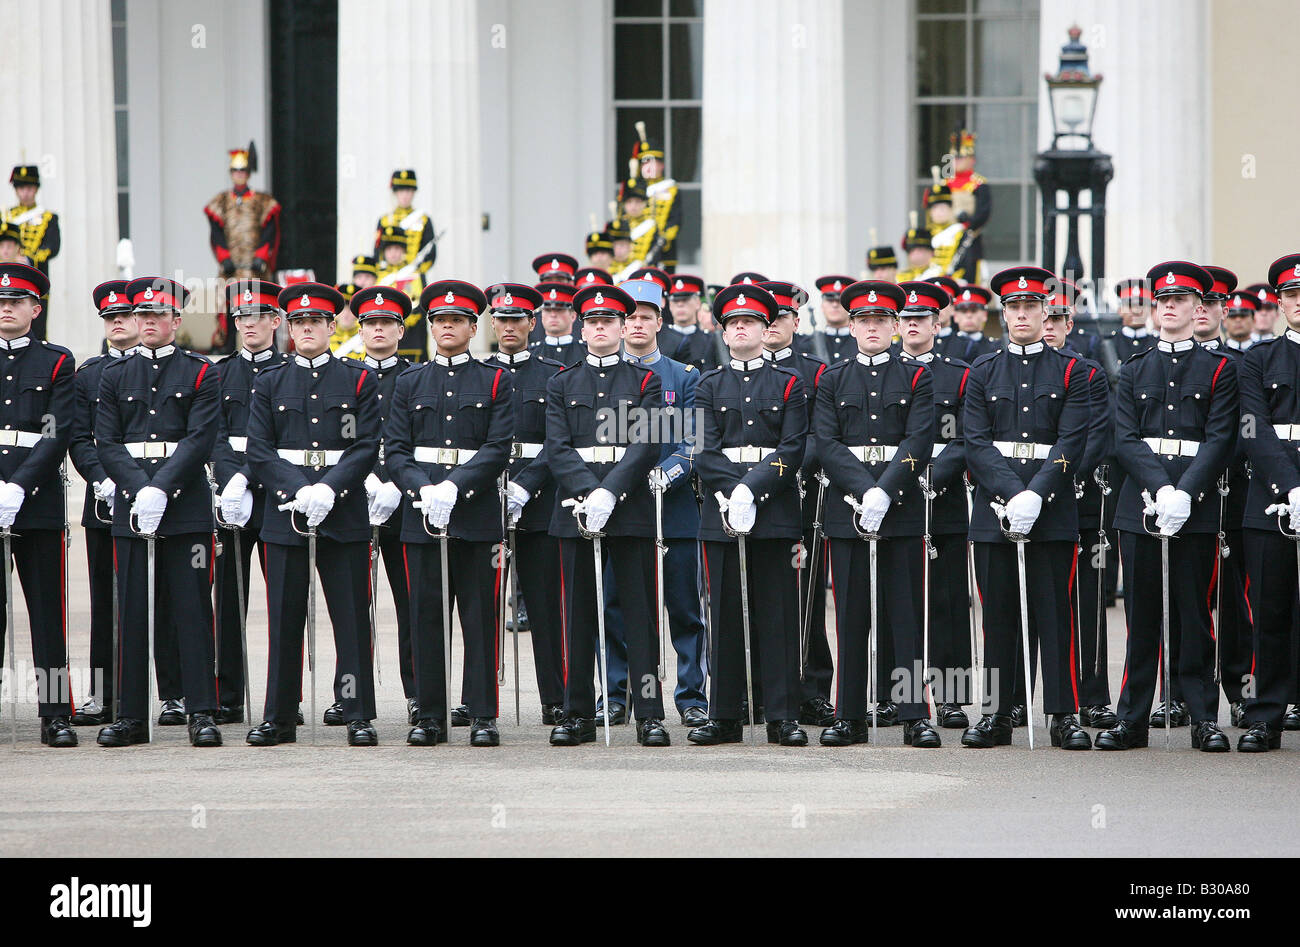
(1073, 165)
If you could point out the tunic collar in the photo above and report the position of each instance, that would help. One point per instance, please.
(261, 356)
(780, 355)
(740, 365)
(160, 352)
(1171, 347)
(1033, 348)
(507, 359)
(11, 345)
(643, 360)
(447, 361)
(316, 362)
(381, 363)
(557, 339)
(1132, 333)
(603, 361)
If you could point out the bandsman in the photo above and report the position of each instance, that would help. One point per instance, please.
(661, 192)
(365, 271)
(36, 231)
(920, 253)
(972, 199)
(599, 248)
(346, 340)
(882, 262)
(420, 247)
(407, 277)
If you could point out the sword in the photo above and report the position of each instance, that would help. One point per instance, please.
(150, 539)
(9, 626)
(1281, 509)
(374, 614)
(1164, 602)
(501, 591)
(661, 553)
(116, 619)
(310, 533)
(1103, 544)
(931, 552)
(239, 590)
(513, 573)
(442, 536)
(595, 537)
(873, 540)
(744, 605)
(806, 624)
(1020, 539)
(1221, 551)
(976, 609)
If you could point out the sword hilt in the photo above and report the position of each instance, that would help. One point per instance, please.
(579, 516)
(1101, 477)
(1283, 510)
(309, 532)
(1004, 522)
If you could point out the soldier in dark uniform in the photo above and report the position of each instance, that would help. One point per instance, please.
(778, 347)
(36, 229)
(754, 418)
(970, 305)
(606, 471)
(254, 308)
(313, 435)
(1026, 419)
(1238, 320)
(949, 594)
(947, 335)
(874, 430)
(1270, 395)
(447, 440)
(531, 488)
(832, 342)
(1175, 435)
(558, 343)
(553, 268)
(38, 417)
(1266, 311)
(1133, 335)
(159, 413)
(682, 339)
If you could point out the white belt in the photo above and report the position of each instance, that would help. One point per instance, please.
(239, 444)
(746, 454)
(938, 449)
(873, 453)
(1022, 450)
(601, 454)
(1287, 432)
(1173, 446)
(311, 458)
(524, 450)
(450, 456)
(19, 439)
(151, 448)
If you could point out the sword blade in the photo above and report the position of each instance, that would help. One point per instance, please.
(1024, 640)
(598, 562)
(871, 663)
(311, 623)
(744, 624)
(9, 628)
(1164, 633)
(446, 626)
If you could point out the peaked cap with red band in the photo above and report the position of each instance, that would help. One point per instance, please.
(685, 285)
(555, 266)
(603, 301)
(744, 299)
(1028, 282)
(157, 292)
(833, 285)
(1285, 272)
(111, 299)
(251, 296)
(972, 296)
(381, 302)
(311, 299)
(453, 295)
(1135, 292)
(870, 297)
(1064, 295)
(592, 276)
(747, 278)
(1179, 276)
(948, 283)
(1263, 293)
(514, 299)
(1241, 303)
(19, 279)
(1225, 281)
(787, 295)
(559, 294)
(655, 275)
(923, 297)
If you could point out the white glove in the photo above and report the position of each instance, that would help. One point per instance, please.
(516, 499)
(1293, 499)
(875, 504)
(1023, 511)
(236, 501)
(373, 483)
(438, 502)
(150, 504)
(1173, 509)
(598, 506)
(106, 490)
(741, 510)
(11, 501)
(384, 501)
(658, 479)
(319, 501)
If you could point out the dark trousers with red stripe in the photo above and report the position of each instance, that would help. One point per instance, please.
(1049, 570)
(344, 577)
(1235, 630)
(38, 559)
(633, 560)
(1191, 590)
(899, 602)
(473, 573)
(1270, 561)
(538, 571)
(819, 669)
(1094, 683)
(950, 622)
(183, 571)
(230, 646)
(773, 587)
(99, 565)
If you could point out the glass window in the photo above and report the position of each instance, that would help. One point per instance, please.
(684, 158)
(638, 73)
(118, 22)
(686, 60)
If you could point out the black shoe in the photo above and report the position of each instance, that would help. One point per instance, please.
(920, 734)
(1208, 738)
(412, 711)
(1237, 715)
(1259, 739)
(56, 731)
(173, 714)
(1178, 715)
(460, 716)
(426, 732)
(574, 730)
(1098, 716)
(1067, 734)
(886, 714)
(651, 732)
(1123, 736)
(362, 733)
(952, 717)
(483, 732)
(846, 733)
(717, 731)
(299, 720)
(123, 732)
(226, 715)
(1291, 719)
(819, 712)
(203, 732)
(694, 717)
(1019, 714)
(91, 714)
(989, 730)
(786, 733)
(552, 713)
(334, 715)
(271, 734)
(617, 715)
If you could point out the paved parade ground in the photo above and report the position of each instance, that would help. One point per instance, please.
(527, 798)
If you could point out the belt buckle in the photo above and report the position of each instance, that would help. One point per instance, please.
(1169, 445)
(314, 458)
(8, 438)
(1022, 451)
(749, 455)
(447, 455)
(516, 450)
(155, 450)
(875, 454)
(603, 454)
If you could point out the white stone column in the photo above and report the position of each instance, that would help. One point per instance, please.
(56, 107)
(409, 97)
(774, 162)
(1152, 117)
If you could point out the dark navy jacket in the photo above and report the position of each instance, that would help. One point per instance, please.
(833, 346)
(38, 396)
(948, 376)
(1127, 346)
(570, 353)
(1101, 440)
(239, 374)
(531, 374)
(694, 348)
(81, 448)
(810, 369)
(1269, 380)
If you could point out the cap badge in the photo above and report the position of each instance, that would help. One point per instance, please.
(590, 278)
(305, 300)
(1169, 278)
(112, 296)
(509, 300)
(379, 299)
(1262, 294)
(1022, 283)
(599, 298)
(555, 264)
(148, 293)
(1236, 301)
(248, 295)
(740, 300)
(837, 286)
(450, 297)
(1297, 270)
(679, 285)
(4, 281)
(966, 296)
(552, 294)
(871, 296)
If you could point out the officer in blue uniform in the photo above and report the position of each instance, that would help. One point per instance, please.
(874, 429)
(682, 339)
(1175, 434)
(36, 421)
(1026, 421)
(605, 467)
(531, 488)
(313, 435)
(253, 306)
(1269, 394)
(159, 413)
(556, 316)
(121, 334)
(752, 443)
(447, 441)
